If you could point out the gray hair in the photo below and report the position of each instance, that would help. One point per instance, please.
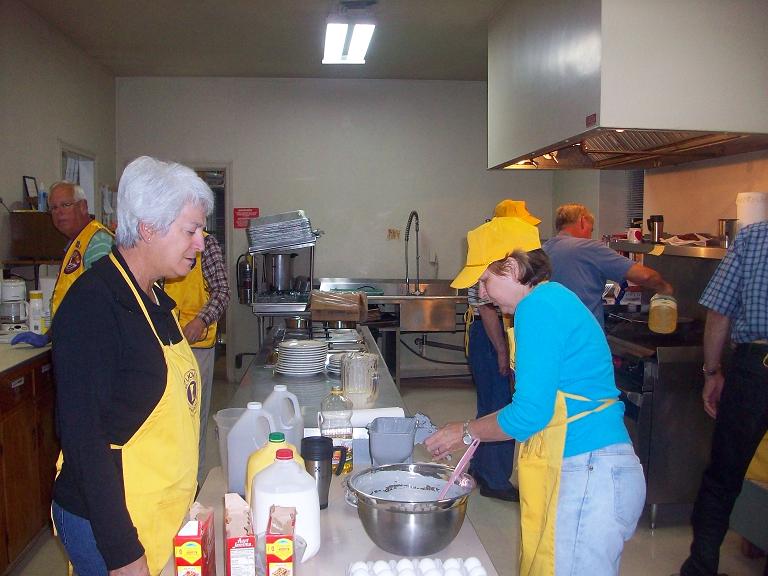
(154, 192)
(77, 191)
(568, 214)
(532, 268)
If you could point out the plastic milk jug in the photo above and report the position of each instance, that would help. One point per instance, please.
(250, 432)
(286, 413)
(286, 483)
(264, 456)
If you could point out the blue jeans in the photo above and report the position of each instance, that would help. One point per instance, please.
(602, 494)
(78, 540)
(492, 462)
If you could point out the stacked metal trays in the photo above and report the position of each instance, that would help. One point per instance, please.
(287, 230)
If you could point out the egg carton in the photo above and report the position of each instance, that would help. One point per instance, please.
(418, 567)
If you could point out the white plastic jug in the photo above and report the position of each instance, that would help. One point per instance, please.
(249, 434)
(225, 420)
(286, 483)
(286, 413)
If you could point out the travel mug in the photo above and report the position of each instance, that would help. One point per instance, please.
(317, 452)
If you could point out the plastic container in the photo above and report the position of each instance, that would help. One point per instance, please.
(391, 439)
(285, 410)
(286, 483)
(662, 315)
(36, 312)
(225, 420)
(336, 423)
(250, 432)
(264, 456)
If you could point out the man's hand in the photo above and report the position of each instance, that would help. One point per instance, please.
(194, 331)
(713, 389)
(136, 568)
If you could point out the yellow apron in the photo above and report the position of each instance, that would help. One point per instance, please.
(160, 459)
(73, 265)
(191, 293)
(758, 468)
(539, 461)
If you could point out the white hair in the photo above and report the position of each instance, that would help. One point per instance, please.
(154, 192)
(77, 191)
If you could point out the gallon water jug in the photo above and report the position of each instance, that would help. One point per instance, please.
(286, 483)
(264, 456)
(662, 315)
(249, 433)
(286, 413)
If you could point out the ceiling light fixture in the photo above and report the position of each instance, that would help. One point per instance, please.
(348, 33)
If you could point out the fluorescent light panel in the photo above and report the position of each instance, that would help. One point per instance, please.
(336, 38)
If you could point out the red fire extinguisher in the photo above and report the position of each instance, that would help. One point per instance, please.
(245, 278)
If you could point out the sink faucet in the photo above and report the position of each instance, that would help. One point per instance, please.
(413, 215)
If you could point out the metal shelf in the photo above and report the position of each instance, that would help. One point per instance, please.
(708, 252)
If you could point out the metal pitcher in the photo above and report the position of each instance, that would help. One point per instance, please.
(278, 272)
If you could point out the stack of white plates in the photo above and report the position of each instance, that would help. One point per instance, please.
(301, 357)
(334, 363)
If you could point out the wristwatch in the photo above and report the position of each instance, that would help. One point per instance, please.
(466, 434)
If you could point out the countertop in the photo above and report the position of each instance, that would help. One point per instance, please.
(344, 539)
(11, 356)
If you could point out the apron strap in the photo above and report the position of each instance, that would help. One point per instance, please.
(469, 317)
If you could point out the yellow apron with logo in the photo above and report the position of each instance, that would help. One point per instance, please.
(160, 459)
(539, 462)
(758, 468)
(73, 264)
(191, 293)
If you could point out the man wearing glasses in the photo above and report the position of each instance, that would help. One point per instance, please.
(89, 239)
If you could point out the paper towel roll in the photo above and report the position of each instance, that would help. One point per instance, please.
(361, 418)
(751, 207)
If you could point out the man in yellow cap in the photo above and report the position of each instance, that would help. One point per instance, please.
(582, 488)
(488, 358)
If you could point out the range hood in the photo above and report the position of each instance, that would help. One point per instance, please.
(620, 84)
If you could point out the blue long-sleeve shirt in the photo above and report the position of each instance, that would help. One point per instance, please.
(561, 346)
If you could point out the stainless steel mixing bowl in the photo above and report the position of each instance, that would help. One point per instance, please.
(399, 511)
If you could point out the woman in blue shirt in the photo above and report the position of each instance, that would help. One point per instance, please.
(582, 488)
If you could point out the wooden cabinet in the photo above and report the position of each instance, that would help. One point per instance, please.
(28, 450)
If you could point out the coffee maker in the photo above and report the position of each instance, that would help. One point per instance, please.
(14, 308)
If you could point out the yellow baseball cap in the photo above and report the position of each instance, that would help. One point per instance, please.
(515, 208)
(493, 241)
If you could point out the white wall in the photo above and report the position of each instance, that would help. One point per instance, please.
(694, 196)
(357, 155)
(50, 92)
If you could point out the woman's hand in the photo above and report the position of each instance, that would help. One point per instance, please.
(136, 568)
(446, 440)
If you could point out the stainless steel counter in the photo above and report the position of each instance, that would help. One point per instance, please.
(344, 539)
(258, 381)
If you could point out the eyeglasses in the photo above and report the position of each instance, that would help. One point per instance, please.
(63, 206)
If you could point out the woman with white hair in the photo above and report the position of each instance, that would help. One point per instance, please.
(128, 384)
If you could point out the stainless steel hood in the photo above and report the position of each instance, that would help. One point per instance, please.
(621, 149)
(621, 84)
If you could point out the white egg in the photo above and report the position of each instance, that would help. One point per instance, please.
(361, 572)
(404, 564)
(358, 566)
(478, 571)
(406, 572)
(433, 572)
(451, 563)
(452, 572)
(425, 565)
(380, 566)
(471, 562)
(387, 572)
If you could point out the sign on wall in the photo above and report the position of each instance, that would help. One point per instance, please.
(243, 215)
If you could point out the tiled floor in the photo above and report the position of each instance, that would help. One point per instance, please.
(649, 553)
